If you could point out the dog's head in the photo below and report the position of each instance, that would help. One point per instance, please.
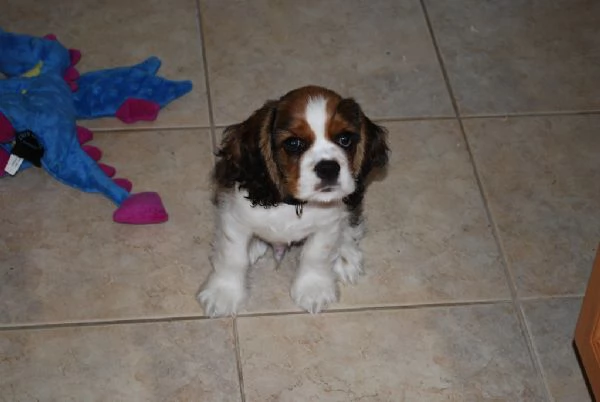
(311, 145)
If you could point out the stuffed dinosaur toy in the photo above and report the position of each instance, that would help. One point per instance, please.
(41, 98)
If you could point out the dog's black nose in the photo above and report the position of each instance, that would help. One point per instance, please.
(327, 170)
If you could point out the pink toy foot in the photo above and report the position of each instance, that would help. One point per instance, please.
(7, 132)
(124, 184)
(108, 170)
(93, 152)
(133, 110)
(84, 135)
(141, 208)
(75, 56)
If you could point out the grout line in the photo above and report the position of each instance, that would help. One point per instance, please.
(211, 115)
(214, 127)
(525, 330)
(379, 308)
(551, 297)
(440, 60)
(238, 358)
(410, 118)
(101, 323)
(517, 305)
(520, 313)
(533, 349)
(531, 114)
(382, 120)
(147, 128)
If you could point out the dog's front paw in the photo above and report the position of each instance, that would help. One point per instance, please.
(314, 292)
(221, 296)
(348, 266)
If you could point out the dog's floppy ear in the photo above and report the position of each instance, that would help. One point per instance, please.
(241, 158)
(376, 148)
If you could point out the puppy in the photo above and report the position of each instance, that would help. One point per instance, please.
(294, 171)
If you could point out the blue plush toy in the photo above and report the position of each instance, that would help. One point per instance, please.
(43, 96)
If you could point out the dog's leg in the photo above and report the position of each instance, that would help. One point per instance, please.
(256, 250)
(226, 287)
(349, 264)
(314, 286)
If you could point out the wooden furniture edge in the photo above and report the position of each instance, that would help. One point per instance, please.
(587, 334)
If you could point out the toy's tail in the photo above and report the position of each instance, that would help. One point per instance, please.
(83, 171)
(130, 93)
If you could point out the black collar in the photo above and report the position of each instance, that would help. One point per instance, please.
(289, 200)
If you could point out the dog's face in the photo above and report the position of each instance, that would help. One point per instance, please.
(310, 145)
(316, 146)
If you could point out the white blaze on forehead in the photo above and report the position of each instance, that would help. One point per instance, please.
(309, 184)
(316, 116)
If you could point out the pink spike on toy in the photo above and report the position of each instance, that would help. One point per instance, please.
(71, 74)
(141, 209)
(93, 152)
(50, 37)
(84, 134)
(124, 184)
(108, 170)
(75, 56)
(134, 109)
(73, 85)
(7, 131)
(4, 156)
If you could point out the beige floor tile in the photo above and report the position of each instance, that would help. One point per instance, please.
(541, 177)
(113, 33)
(462, 354)
(184, 361)
(552, 323)
(62, 258)
(519, 55)
(381, 54)
(428, 239)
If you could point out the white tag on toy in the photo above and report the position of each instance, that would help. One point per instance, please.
(13, 164)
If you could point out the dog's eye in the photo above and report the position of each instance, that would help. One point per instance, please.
(294, 145)
(345, 139)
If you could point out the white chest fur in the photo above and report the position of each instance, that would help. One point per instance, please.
(281, 224)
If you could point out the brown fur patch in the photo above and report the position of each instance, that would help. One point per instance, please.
(348, 118)
(340, 124)
(289, 165)
(267, 151)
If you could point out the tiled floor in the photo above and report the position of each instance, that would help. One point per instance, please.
(480, 242)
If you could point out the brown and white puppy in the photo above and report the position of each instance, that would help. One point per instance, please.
(294, 171)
